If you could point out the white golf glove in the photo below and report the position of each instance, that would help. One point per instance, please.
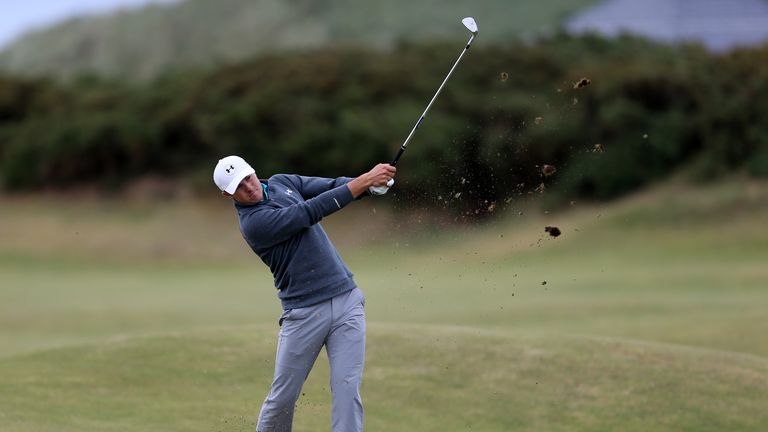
(381, 190)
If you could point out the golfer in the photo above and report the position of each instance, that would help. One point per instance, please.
(322, 305)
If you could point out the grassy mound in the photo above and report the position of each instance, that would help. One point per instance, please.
(141, 43)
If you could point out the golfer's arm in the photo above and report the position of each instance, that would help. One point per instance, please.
(270, 227)
(310, 187)
(358, 186)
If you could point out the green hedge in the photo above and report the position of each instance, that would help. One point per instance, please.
(506, 112)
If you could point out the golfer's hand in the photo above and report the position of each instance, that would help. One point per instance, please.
(381, 175)
(374, 181)
(380, 187)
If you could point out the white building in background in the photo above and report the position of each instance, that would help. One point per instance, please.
(720, 25)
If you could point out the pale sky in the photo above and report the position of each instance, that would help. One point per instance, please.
(18, 16)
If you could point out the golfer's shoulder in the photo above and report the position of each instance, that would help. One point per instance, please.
(285, 180)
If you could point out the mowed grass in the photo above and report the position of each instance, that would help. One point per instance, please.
(653, 317)
(418, 378)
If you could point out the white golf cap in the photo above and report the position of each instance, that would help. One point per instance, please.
(229, 172)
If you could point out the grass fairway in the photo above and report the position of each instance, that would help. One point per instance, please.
(652, 318)
(426, 378)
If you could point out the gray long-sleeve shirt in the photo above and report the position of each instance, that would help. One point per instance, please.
(284, 232)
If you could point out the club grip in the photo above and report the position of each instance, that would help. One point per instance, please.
(397, 157)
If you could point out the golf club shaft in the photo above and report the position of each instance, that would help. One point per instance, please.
(423, 115)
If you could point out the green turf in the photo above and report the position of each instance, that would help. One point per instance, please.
(652, 318)
(427, 378)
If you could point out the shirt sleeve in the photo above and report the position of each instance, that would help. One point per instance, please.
(310, 187)
(270, 226)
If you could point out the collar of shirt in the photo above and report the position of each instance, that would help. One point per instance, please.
(266, 194)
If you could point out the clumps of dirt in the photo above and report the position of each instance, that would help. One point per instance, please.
(598, 148)
(548, 170)
(553, 231)
(582, 83)
(504, 76)
(543, 282)
(540, 189)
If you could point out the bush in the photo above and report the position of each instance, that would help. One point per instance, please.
(503, 115)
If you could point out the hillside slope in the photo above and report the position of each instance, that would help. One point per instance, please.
(141, 43)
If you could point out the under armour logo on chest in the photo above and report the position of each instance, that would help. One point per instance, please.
(289, 191)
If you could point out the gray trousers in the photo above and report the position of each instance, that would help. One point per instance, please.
(339, 324)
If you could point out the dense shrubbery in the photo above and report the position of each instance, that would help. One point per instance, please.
(328, 113)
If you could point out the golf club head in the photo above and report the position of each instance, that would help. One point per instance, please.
(470, 24)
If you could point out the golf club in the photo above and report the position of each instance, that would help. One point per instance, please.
(471, 25)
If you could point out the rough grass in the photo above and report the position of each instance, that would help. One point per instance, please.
(652, 318)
